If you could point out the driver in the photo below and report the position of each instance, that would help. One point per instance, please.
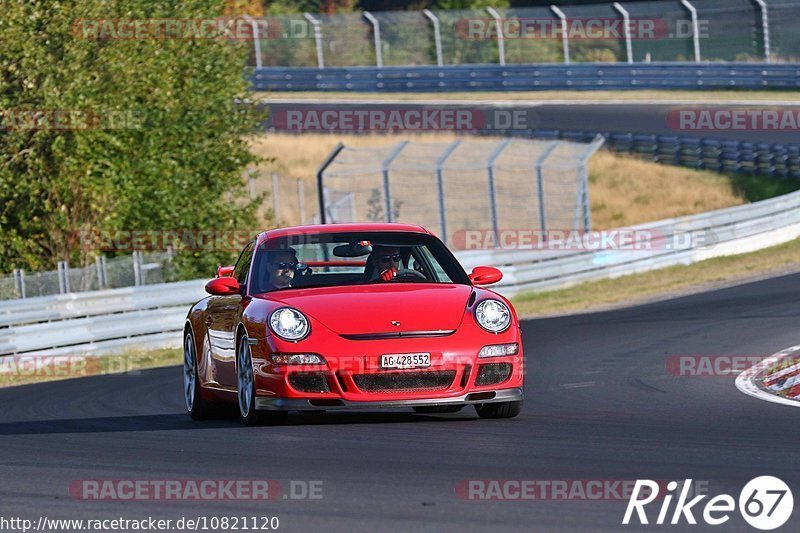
(281, 266)
(385, 261)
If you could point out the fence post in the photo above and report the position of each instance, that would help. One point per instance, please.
(275, 197)
(100, 263)
(317, 38)
(583, 200)
(765, 29)
(320, 186)
(387, 191)
(137, 269)
(437, 35)
(564, 31)
(626, 29)
(501, 46)
(440, 186)
(540, 184)
(492, 192)
(301, 201)
(376, 33)
(63, 277)
(22, 283)
(17, 283)
(695, 28)
(256, 40)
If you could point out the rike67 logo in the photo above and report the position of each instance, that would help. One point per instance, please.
(765, 503)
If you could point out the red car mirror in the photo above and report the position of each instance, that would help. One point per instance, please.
(225, 272)
(225, 286)
(485, 275)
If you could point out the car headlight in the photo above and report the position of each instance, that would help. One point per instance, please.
(493, 315)
(289, 324)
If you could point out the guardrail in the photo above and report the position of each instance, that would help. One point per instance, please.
(151, 317)
(590, 76)
(98, 321)
(727, 231)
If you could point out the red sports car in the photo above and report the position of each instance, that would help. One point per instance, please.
(352, 316)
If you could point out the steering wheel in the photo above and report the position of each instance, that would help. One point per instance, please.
(408, 274)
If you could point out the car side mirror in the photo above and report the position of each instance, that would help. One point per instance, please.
(225, 286)
(485, 275)
(225, 272)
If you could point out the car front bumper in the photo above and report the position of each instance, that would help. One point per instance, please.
(297, 404)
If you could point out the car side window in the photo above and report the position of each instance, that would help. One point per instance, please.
(242, 267)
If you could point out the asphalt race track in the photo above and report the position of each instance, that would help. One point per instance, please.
(600, 406)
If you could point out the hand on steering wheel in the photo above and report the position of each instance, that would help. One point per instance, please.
(389, 274)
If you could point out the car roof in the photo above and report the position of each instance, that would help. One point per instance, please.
(340, 228)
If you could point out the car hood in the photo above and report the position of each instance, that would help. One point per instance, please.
(369, 309)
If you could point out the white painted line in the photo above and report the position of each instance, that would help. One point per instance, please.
(746, 381)
(579, 385)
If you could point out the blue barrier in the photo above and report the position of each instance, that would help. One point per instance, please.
(588, 76)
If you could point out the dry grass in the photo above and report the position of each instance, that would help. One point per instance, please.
(623, 190)
(589, 96)
(659, 284)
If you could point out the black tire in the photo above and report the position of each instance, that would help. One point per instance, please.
(246, 396)
(196, 406)
(499, 409)
(437, 409)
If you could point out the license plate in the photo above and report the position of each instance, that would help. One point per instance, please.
(406, 360)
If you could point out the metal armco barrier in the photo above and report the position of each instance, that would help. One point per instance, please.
(98, 321)
(727, 231)
(589, 76)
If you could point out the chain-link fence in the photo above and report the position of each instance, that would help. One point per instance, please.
(636, 31)
(107, 273)
(450, 188)
(292, 201)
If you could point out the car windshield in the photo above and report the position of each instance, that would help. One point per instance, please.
(338, 259)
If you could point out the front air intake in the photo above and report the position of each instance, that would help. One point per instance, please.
(491, 373)
(309, 382)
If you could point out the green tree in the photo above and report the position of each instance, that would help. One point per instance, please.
(169, 151)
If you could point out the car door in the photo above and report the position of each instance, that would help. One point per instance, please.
(222, 317)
